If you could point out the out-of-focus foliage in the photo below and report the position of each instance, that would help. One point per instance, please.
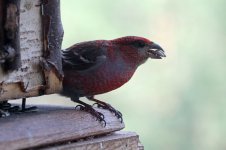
(175, 103)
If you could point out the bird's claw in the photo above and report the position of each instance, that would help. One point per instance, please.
(117, 113)
(98, 105)
(98, 115)
(79, 107)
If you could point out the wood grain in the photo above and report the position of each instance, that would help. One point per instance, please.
(121, 140)
(52, 125)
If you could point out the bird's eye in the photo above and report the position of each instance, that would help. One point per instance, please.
(139, 44)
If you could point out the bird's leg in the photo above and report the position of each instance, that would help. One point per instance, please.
(107, 106)
(88, 108)
(23, 106)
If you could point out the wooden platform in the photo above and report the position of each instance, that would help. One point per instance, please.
(64, 128)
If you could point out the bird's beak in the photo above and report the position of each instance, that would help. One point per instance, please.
(155, 51)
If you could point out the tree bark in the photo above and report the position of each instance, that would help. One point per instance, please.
(34, 32)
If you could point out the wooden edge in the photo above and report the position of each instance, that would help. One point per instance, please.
(16, 90)
(51, 125)
(115, 141)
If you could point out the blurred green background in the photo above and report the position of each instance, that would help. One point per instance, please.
(175, 103)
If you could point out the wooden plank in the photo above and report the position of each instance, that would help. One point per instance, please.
(52, 125)
(121, 140)
(52, 36)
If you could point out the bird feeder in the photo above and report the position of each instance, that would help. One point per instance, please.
(31, 34)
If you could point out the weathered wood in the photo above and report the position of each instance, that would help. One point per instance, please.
(116, 141)
(52, 125)
(40, 44)
(27, 80)
(52, 35)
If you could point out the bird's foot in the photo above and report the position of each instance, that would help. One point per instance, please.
(101, 104)
(88, 108)
(107, 106)
(6, 108)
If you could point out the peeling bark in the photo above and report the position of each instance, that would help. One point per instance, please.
(53, 36)
(40, 37)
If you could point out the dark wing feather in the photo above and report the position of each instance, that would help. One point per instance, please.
(83, 56)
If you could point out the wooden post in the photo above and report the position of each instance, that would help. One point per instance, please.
(32, 35)
(53, 35)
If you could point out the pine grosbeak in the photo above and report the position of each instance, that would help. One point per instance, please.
(97, 67)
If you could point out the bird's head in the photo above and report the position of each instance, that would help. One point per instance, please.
(139, 48)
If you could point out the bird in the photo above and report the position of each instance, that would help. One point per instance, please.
(95, 67)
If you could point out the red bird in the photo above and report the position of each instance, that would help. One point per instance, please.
(97, 67)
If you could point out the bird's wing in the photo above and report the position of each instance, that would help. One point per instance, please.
(84, 56)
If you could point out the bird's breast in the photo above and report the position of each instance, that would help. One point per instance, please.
(101, 80)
